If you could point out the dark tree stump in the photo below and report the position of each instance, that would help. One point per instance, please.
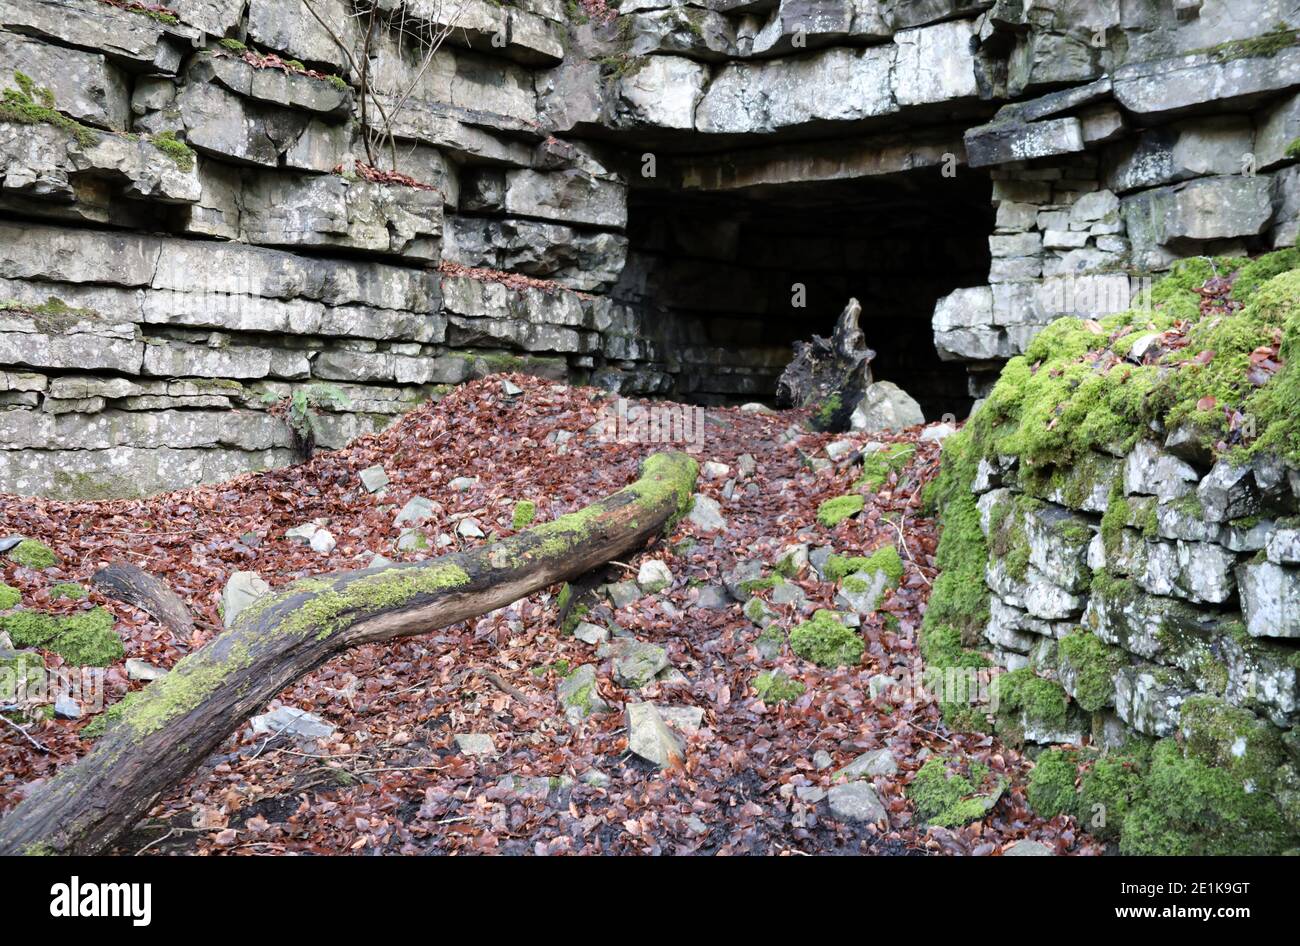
(829, 375)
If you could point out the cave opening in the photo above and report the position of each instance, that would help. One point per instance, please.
(719, 276)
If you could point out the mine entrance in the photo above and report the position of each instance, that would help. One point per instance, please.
(717, 276)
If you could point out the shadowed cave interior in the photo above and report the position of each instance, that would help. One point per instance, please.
(714, 274)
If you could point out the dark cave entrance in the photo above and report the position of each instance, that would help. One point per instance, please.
(714, 274)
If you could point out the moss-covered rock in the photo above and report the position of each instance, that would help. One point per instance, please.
(834, 511)
(775, 687)
(1189, 808)
(86, 639)
(9, 596)
(947, 799)
(826, 642)
(68, 590)
(34, 555)
(1051, 789)
(1231, 738)
(1087, 668)
(879, 466)
(885, 559)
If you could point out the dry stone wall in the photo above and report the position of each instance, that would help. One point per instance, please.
(188, 231)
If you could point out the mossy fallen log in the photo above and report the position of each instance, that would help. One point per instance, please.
(163, 732)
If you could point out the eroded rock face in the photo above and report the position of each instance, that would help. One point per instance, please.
(259, 249)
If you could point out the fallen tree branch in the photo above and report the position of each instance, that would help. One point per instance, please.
(137, 587)
(164, 732)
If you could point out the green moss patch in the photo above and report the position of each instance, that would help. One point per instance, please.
(775, 687)
(86, 638)
(834, 511)
(30, 104)
(1094, 665)
(885, 559)
(1051, 789)
(826, 642)
(1041, 701)
(9, 597)
(1190, 808)
(180, 153)
(68, 590)
(524, 514)
(948, 799)
(34, 555)
(879, 466)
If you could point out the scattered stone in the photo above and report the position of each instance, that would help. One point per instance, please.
(242, 589)
(706, 514)
(636, 663)
(554, 790)
(374, 478)
(839, 450)
(291, 721)
(621, 594)
(592, 634)
(810, 794)
(653, 576)
(418, 509)
(510, 389)
(712, 470)
(1027, 849)
(713, 598)
(469, 529)
(869, 765)
(746, 465)
(855, 801)
(792, 561)
(649, 737)
(65, 707)
(578, 695)
(737, 580)
(140, 670)
(462, 483)
(596, 778)
(937, 433)
(412, 540)
(822, 760)
(886, 406)
(323, 542)
(788, 593)
(476, 744)
(302, 534)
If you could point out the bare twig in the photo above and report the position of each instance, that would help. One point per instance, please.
(36, 743)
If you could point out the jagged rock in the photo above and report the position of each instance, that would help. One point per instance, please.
(713, 598)
(855, 801)
(1229, 491)
(592, 634)
(141, 670)
(649, 736)
(706, 514)
(469, 529)
(65, 707)
(417, 510)
(291, 721)
(885, 407)
(636, 663)
(866, 600)
(476, 744)
(1198, 571)
(831, 375)
(242, 589)
(1150, 471)
(578, 695)
(1283, 546)
(869, 765)
(654, 576)
(322, 542)
(1149, 699)
(373, 478)
(1027, 849)
(1270, 599)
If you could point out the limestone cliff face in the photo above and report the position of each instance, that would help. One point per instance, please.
(632, 201)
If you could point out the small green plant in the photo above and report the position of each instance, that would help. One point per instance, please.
(300, 411)
(181, 153)
(234, 45)
(525, 513)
